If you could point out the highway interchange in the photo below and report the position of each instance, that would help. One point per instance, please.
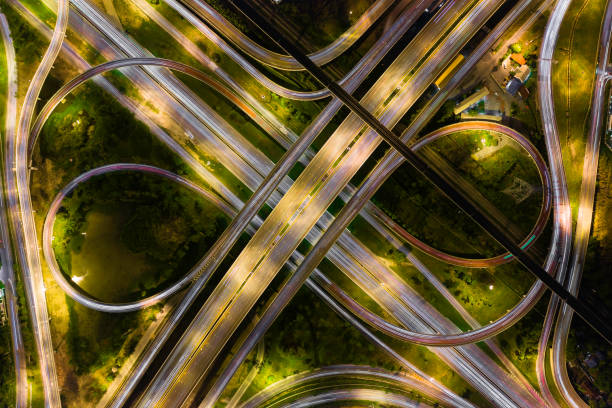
(299, 207)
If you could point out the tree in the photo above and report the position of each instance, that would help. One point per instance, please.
(516, 47)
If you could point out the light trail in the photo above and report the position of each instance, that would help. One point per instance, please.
(286, 62)
(7, 273)
(585, 211)
(400, 380)
(26, 232)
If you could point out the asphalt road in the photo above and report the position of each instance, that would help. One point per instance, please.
(7, 274)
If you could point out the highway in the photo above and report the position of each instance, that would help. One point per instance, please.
(281, 61)
(296, 281)
(366, 64)
(502, 27)
(293, 217)
(405, 382)
(182, 380)
(127, 167)
(7, 274)
(382, 396)
(585, 213)
(247, 175)
(392, 160)
(82, 297)
(415, 9)
(562, 211)
(18, 198)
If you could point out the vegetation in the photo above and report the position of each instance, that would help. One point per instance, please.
(88, 130)
(406, 196)
(572, 81)
(320, 22)
(158, 230)
(520, 342)
(308, 335)
(7, 373)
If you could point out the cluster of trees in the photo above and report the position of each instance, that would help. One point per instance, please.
(424, 212)
(7, 372)
(322, 21)
(167, 223)
(92, 129)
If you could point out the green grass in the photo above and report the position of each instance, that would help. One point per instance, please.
(308, 335)
(321, 22)
(104, 133)
(493, 174)
(572, 81)
(7, 373)
(153, 229)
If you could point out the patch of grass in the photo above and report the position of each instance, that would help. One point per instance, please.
(572, 81)
(308, 335)
(153, 229)
(320, 22)
(7, 373)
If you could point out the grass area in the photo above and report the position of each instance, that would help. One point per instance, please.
(129, 235)
(308, 334)
(572, 81)
(7, 373)
(427, 214)
(109, 268)
(320, 22)
(495, 172)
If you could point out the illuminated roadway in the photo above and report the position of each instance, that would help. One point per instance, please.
(549, 153)
(7, 274)
(18, 195)
(400, 25)
(280, 391)
(221, 287)
(583, 225)
(281, 61)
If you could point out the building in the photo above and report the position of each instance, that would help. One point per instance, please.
(518, 58)
(471, 100)
(523, 74)
(513, 86)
